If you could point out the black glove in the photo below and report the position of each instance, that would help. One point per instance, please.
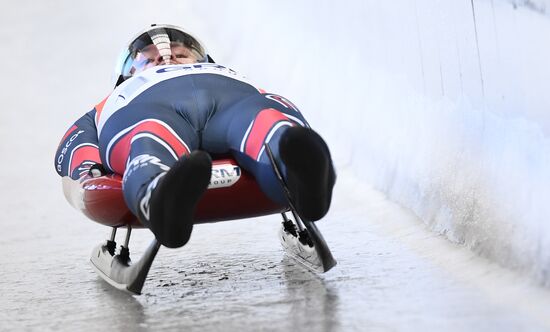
(97, 170)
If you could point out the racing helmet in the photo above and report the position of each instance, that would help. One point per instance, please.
(160, 44)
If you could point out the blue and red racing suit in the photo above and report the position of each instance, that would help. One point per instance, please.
(153, 118)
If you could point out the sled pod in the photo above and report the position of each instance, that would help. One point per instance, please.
(233, 193)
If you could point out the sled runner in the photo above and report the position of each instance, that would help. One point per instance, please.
(232, 194)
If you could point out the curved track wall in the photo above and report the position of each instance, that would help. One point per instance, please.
(441, 105)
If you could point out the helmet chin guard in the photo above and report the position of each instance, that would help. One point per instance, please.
(158, 45)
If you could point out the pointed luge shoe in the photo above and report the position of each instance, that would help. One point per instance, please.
(310, 175)
(173, 201)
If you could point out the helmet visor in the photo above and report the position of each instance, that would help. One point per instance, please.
(161, 46)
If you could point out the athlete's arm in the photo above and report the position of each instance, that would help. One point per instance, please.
(78, 150)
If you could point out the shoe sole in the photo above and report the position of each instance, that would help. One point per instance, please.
(174, 200)
(310, 175)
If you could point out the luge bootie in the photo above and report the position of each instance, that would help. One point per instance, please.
(310, 175)
(171, 198)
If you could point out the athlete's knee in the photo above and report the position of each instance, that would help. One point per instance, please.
(267, 126)
(149, 136)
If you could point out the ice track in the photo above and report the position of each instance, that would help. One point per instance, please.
(392, 274)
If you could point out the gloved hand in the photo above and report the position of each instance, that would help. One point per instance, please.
(97, 170)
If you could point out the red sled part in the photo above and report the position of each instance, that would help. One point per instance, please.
(233, 193)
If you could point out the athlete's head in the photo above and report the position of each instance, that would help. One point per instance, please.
(158, 45)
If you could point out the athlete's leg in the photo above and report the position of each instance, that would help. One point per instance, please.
(145, 143)
(302, 155)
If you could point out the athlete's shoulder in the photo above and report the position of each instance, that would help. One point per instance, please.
(164, 72)
(98, 108)
(152, 76)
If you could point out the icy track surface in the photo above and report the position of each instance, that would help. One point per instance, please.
(392, 273)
